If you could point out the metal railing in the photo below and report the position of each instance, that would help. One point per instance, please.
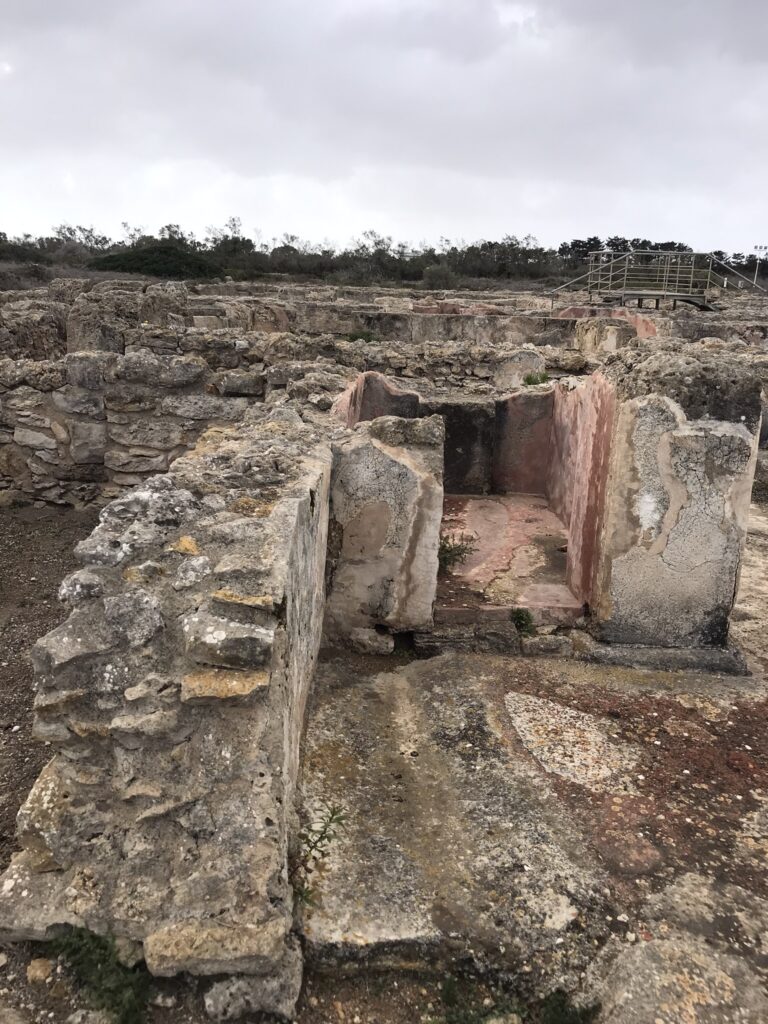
(655, 274)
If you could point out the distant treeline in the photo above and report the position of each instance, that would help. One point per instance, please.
(226, 251)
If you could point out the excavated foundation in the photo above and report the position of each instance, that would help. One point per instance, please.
(273, 487)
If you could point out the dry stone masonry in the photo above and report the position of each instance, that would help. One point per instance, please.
(273, 466)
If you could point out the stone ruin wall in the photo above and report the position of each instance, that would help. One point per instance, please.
(174, 698)
(132, 374)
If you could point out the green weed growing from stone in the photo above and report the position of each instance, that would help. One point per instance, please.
(108, 984)
(523, 621)
(535, 378)
(315, 843)
(454, 549)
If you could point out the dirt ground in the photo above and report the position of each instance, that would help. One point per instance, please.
(36, 554)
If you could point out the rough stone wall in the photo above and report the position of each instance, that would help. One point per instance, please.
(173, 697)
(234, 327)
(642, 324)
(677, 498)
(598, 336)
(386, 509)
(31, 326)
(675, 528)
(74, 428)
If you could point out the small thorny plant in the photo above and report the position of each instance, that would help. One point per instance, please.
(108, 984)
(454, 549)
(316, 840)
(535, 378)
(523, 622)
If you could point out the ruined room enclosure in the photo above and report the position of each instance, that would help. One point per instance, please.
(510, 468)
(578, 500)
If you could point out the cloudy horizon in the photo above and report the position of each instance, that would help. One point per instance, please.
(419, 119)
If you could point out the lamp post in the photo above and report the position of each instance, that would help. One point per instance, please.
(760, 250)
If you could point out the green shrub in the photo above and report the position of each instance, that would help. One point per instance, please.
(523, 621)
(159, 260)
(438, 276)
(454, 549)
(108, 984)
(360, 336)
(535, 378)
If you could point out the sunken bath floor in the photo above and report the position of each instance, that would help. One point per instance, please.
(522, 812)
(519, 559)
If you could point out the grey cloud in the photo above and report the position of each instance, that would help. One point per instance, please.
(663, 101)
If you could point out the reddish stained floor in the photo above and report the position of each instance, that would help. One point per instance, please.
(519, 558)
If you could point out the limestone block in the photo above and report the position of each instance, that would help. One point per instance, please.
(214, 684)
(85, 633)
(247, 946)
(677, 977)
(79, 586)
(100, 319)
(134, 522)
(190, 572)
(162, 434)
(368, 641)
(516, 365)
(210, 640)
(204, 407)
(160, 301)
(677, 507)
(48, 843)
(34, 439)
(134, 616)
(133, 462)
(242, 995)
(87, 442)
(77, 401)
(386, 508)
(87, 370)
(143, 367)
(240, 382)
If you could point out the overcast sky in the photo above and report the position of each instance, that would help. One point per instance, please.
(417, 118)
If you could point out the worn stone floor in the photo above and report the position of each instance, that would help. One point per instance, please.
(519, 556)
(564, 824)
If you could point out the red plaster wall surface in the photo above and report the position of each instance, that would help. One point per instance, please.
(582, 427)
